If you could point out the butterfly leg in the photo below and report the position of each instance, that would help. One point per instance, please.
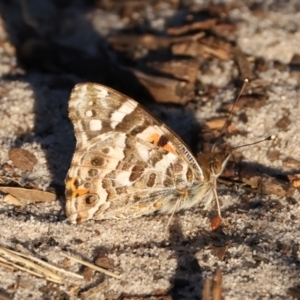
(218, 205)
(184, 195)
(177, 204)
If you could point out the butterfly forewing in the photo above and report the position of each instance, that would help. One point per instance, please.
(127, 163)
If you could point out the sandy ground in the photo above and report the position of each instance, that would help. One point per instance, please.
(262, 259)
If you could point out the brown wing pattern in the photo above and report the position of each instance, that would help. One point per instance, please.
(127, 163)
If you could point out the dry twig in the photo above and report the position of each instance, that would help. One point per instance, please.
(91, 265)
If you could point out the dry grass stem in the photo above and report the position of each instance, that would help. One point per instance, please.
(92, 266)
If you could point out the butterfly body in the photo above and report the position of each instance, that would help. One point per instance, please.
(127, 163)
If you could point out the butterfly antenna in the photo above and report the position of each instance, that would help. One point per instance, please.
(269, 138)
(246, 81)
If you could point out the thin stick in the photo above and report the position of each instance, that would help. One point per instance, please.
(5, 265)
(29, 263)
(49, 265)
(49, 278)
(91, 265)
(246, 81)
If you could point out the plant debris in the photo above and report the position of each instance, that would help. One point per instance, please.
(212, 289)
(29, 195)
(22, 159)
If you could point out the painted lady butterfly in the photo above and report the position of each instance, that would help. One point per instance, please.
(128, 164)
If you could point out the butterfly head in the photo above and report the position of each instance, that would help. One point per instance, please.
(213, 163)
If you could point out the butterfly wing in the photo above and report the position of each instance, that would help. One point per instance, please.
(126, 163)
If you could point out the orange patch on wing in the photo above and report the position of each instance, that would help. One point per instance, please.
(158, 204)
(169, 148)
(70, 185)
(154, 138)
(80, 192)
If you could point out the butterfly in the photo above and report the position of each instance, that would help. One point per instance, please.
(127, 163)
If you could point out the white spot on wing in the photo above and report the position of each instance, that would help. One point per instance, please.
(149, 131)
(95, 125)
(123, 178)
(143, 151)
(166, 161)
(125, 109)
(89, 113)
